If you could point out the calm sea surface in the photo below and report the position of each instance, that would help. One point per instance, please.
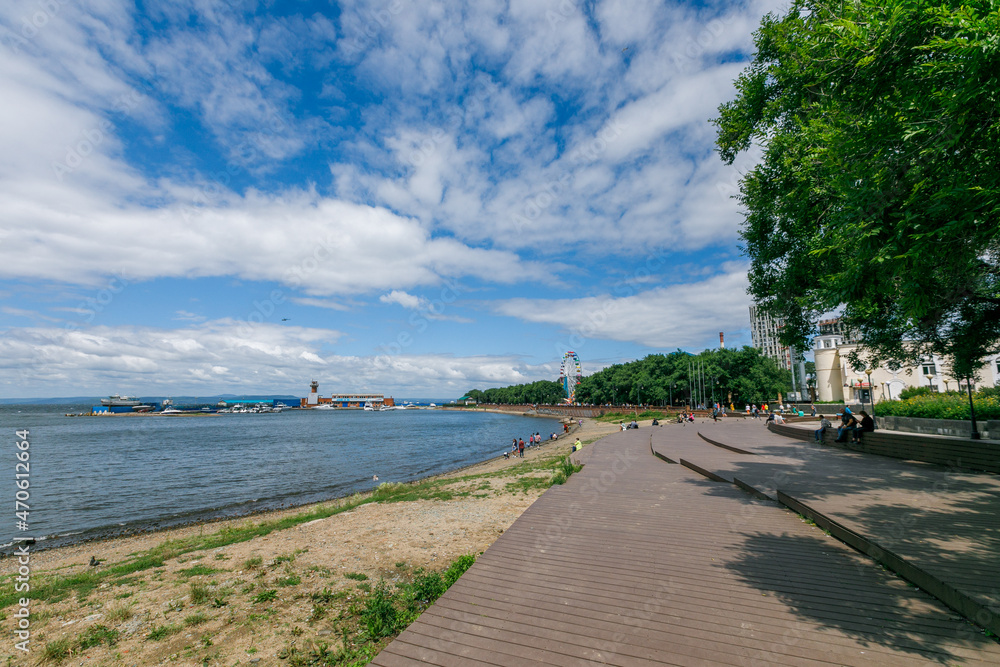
(98, 476)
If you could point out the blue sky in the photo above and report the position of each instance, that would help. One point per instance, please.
(413, 198)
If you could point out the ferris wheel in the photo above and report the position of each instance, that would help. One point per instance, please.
(570, 375)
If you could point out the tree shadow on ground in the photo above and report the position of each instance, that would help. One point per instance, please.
(828, 585)
(943, 520)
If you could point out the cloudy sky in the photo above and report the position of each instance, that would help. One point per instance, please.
(413, 198)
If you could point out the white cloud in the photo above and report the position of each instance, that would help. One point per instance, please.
(403, 299)
(229, 356)
(680, 315)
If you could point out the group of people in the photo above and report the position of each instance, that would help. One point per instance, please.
(632, 424)
(517, 445)
(850, 426)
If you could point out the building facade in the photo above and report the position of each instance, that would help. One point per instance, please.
(837, 381)
(764, 332)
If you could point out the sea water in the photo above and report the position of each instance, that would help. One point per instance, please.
(100, 476)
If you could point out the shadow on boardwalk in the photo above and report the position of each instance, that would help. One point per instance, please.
(897, 618)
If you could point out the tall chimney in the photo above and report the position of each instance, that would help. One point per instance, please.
(722, 340)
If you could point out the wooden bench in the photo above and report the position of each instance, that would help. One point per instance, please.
(940, 449)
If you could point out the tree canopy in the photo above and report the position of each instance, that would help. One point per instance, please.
(741, 376)
(878, 191)
(546, 392)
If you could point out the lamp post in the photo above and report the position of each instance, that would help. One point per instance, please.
(972, 410)
(871, 392)
(671, 394)
(930, 380)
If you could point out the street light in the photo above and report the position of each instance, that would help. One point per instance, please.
(871, 393)
(972, 410)
(930, 380)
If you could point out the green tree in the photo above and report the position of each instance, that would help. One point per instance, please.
(878, 190)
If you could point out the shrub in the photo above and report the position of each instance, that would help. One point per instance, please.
(458, 568)
(911, 392)
(265, 596)
(941, 406)
(380, 615)
(428, 588)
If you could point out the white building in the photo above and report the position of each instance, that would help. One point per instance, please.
(837, 381)
(764, 331)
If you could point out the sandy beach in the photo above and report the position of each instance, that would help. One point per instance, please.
(244, 602)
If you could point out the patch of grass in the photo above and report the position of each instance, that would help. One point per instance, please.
(162, 632)
(196, 618)
(380, 615)
(357, 576)
(290, 580)
(253, 563)
(96, 635)
(326, 596)
(119, 613)
(400, 564)
(369, 624)
(528, 483)
(200, 594)
(221, 556)
(284, 559)
(265, 596)
(57, 650)
(565, 469)
(364, 586)
(196, 571)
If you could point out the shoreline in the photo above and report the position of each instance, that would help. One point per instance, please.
(192, 596)
(152, 527)
(186, 528)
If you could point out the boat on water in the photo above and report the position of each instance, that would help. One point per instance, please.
(117, 400)
(323, 406)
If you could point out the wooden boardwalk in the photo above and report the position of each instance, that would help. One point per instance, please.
(945, 521)
(638, 562)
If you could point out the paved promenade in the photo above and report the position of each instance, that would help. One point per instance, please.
(636, 561)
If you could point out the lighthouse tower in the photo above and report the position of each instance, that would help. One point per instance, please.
(313, 398)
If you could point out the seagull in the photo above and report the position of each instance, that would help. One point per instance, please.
(374, 478)
(94, 562)
(285, 319)
(625, 49)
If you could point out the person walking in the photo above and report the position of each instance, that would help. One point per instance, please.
(520, 447)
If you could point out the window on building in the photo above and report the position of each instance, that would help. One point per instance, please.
(930, 369)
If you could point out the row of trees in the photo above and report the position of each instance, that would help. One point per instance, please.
(737, 376)
(725, 375)
(546, 392)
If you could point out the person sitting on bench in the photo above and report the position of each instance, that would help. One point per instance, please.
(867, 426)
(824, 424)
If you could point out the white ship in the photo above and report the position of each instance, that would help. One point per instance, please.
(117, 400)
